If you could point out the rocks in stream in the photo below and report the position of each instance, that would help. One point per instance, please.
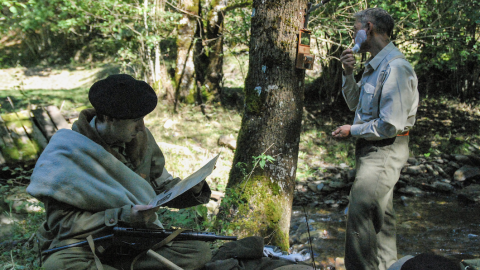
(447, 174)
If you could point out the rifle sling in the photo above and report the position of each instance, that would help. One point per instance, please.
(159, 245)
(92, 247)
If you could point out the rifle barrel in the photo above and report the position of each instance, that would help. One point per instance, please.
(186, 235)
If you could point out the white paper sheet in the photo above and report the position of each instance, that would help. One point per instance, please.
(185, 184)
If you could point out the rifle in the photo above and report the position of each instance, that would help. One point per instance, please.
(142, 239)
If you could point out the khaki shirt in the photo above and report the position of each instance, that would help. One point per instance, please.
(398, 102)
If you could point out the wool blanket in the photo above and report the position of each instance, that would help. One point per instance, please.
(77, 171)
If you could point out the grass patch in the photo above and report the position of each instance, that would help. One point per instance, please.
(65, 99)
(188, 139)
(19, 251)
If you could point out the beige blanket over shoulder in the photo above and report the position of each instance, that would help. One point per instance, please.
(75, 170)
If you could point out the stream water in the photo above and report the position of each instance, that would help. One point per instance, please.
(441, 225)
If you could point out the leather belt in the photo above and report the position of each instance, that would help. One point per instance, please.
(406, 133)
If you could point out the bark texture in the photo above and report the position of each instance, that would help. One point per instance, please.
(274, 96)
(185, 69)
(214, 35)
(209, 48)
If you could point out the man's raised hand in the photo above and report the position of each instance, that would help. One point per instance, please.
(348, 61)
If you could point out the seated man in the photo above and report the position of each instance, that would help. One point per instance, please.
(104, 172)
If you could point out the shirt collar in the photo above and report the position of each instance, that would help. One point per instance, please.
(94, 126)
(375, 62)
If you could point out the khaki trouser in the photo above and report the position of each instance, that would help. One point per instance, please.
(371, 234)
(185, 254)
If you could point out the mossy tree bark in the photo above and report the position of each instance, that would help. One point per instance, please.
(271, 124)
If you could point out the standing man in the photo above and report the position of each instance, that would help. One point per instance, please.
(385, 102)
(103, 173)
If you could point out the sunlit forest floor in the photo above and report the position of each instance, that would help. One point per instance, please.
(188, 139)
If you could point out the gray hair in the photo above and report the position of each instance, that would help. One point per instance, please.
(380, 18)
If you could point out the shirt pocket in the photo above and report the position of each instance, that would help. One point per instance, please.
(367, 97)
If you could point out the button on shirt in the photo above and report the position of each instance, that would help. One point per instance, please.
(398, 101)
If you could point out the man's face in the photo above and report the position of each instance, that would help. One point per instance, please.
(365, 45)
(125, 130)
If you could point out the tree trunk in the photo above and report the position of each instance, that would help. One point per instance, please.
(208, 56)
(271, 122)
(214, 75)
(200, 58)
(184, 69)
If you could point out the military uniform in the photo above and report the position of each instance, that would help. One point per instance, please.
(89, 186)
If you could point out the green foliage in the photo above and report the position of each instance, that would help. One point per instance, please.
(18, 175)
(188, 218)
(242, 168)
(93, 29)
(222, 223)
(262, 160)
(440, 38)
(237, 28)
(305, 171)
(23, 254)
(19, 253)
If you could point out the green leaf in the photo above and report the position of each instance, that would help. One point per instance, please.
(262, 163)
(13, 9)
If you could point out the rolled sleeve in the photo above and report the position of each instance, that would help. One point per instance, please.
(355, 130)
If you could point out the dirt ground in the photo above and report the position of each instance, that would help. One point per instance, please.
(50, 78)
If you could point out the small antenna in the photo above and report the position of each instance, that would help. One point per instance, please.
(309, 238)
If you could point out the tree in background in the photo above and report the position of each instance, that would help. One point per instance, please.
(211, 51)
(207, 23)
(184, 67)
(271, 124)
(440, 38)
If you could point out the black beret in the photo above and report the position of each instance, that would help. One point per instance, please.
(121, 96)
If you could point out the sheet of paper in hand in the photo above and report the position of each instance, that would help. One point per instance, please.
(185, 184)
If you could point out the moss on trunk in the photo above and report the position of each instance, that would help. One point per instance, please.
(264, 210)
